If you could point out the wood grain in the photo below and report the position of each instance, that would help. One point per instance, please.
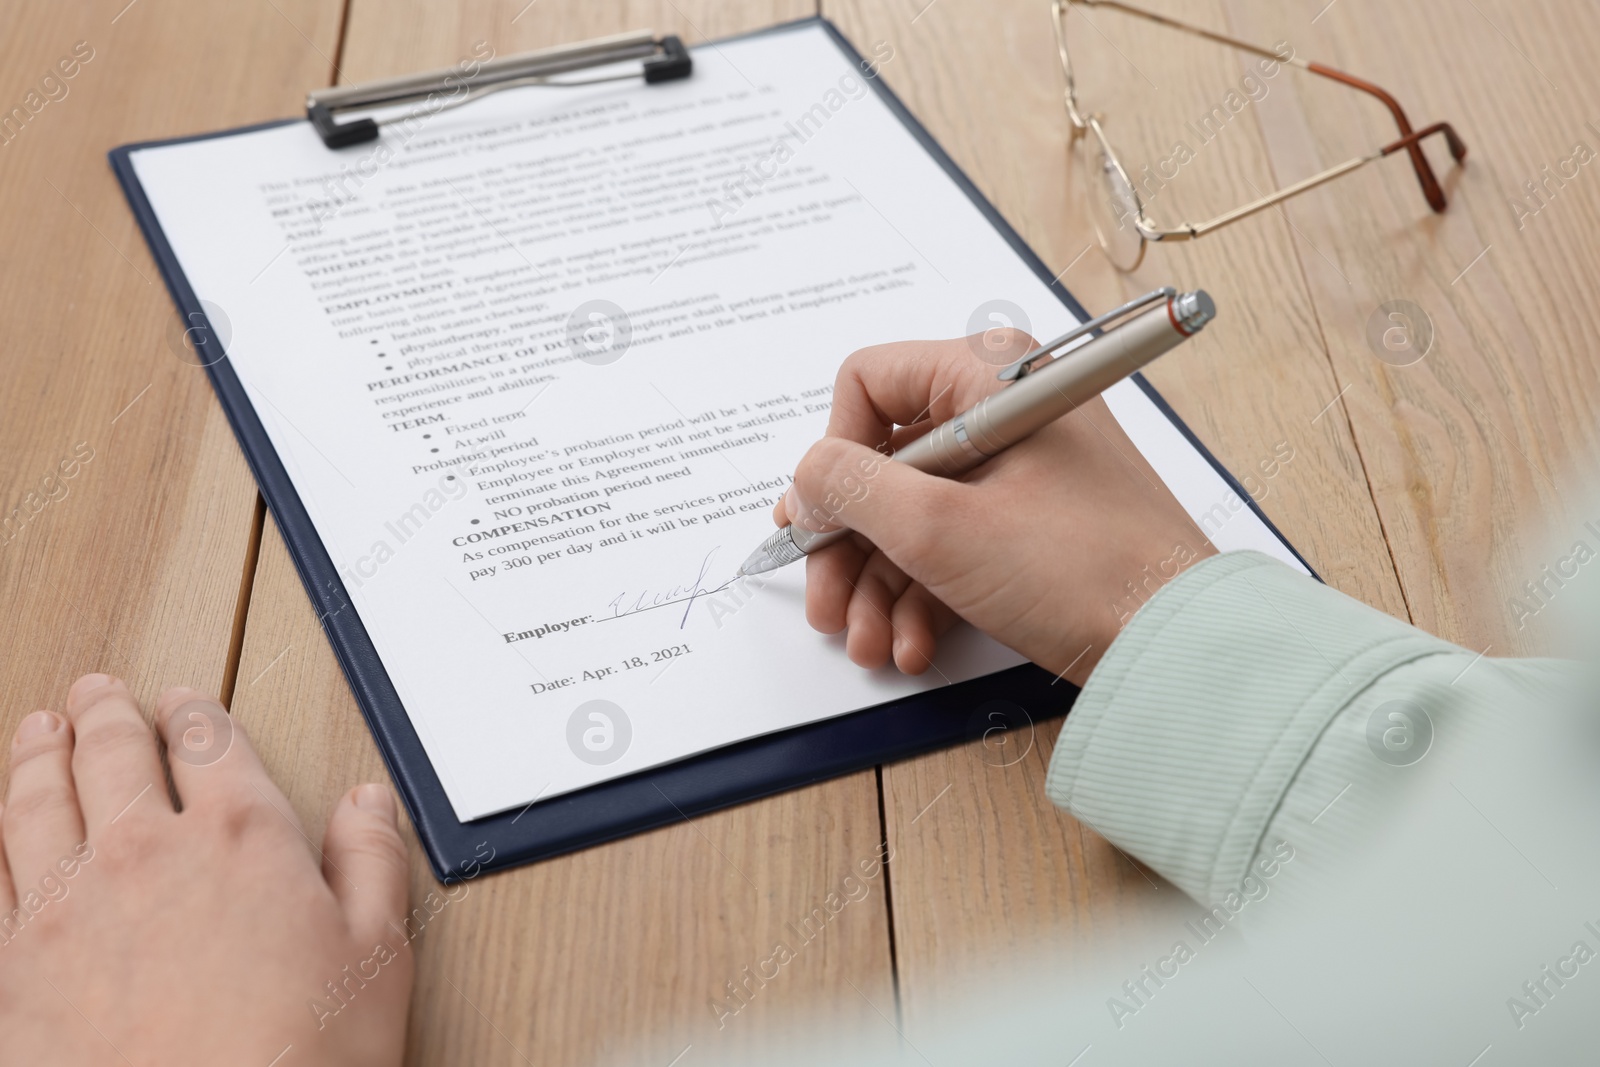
(388, 37)
(1483, 450)
(1411, 488)
(135, 566)
(615, 954)
(995, 867)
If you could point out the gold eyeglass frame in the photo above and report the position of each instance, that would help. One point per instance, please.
(1084, 125)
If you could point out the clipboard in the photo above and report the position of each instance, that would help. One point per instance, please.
(999, 710)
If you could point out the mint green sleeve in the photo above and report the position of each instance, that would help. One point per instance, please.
(1195, 733)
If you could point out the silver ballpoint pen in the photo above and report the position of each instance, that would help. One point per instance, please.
(1040, 393)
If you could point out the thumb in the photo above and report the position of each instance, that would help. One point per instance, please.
(906, 513)
(364, 860)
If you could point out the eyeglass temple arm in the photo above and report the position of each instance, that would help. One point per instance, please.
(1458, 149)
(1419, 162)
(1171, 23)
(1198, 31)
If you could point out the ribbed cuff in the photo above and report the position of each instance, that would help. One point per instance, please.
(1181, 745)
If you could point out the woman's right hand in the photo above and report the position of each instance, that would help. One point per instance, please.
(1049, 547)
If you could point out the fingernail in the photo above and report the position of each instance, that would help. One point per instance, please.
(94, 681)
(800, 513)
(37, 725)
(376, 799)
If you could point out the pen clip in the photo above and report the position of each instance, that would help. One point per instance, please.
(1025, 364)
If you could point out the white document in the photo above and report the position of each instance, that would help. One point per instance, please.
(538, 522)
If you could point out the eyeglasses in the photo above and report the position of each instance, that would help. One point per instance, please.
(1116, 207)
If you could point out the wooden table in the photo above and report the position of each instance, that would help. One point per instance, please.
(1426, 490)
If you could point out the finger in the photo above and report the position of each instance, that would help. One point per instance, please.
(886, 386)
(364, 860)
(114, 762)
(212, 760)
(919, 620)
(41, 817)
(830, 582)
(8, 889)
(871, 631)
(901, 437)
(903, 511)
(904, 435)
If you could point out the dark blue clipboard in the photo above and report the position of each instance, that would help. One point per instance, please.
(1011, 700)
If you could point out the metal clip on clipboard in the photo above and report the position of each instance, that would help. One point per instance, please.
(664, 59)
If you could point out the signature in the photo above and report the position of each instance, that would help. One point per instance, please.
(629, 603)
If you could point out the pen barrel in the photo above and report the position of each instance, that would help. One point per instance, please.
(946, 450)
(1037, 399)
(1070, 381)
